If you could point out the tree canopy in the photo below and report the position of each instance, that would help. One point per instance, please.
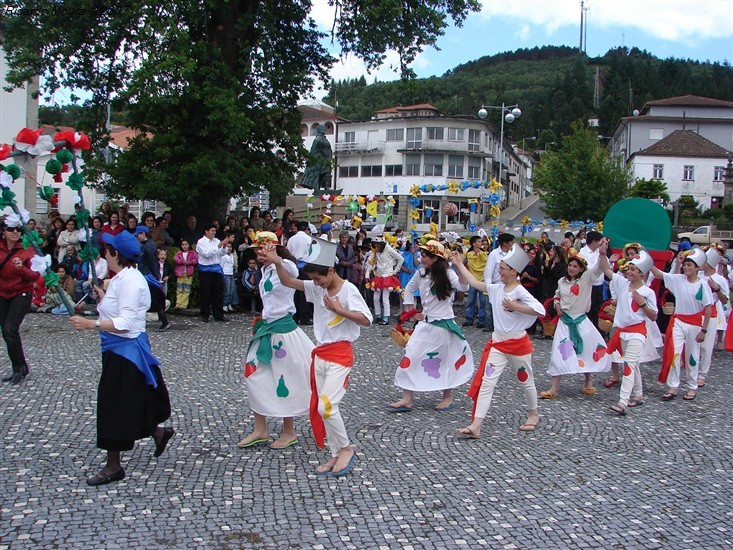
(211, 86)
(579, 180)
(650, 189)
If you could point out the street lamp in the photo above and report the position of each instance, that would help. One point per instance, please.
(512, 113)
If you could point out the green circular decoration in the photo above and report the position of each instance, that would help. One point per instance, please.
(13, 171)
(638, 220)
(53, 166)
(64, 156)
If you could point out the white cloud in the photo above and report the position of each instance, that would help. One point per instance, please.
(673, 20)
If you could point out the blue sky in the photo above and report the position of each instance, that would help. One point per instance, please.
(694, 29)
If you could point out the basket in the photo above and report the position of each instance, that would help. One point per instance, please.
(548, 329)
(668, 309)
(400, 338)
(605, 325)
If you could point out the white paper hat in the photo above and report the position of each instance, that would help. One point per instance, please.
(517, 258)
(698, 256)
(643, 261)
(321, 252)
(713, 257)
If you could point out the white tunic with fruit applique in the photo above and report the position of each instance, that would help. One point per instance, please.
(435, 358)
(282, 388)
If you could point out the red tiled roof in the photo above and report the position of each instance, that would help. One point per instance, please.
(690, 101)
(399, 108)
(684, 143)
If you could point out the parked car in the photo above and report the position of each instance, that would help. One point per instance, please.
(707, 234)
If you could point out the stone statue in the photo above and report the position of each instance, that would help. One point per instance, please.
(317, 175)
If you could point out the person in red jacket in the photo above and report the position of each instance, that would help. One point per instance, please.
(16, 292)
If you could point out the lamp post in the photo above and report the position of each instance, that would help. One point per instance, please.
(512, 112)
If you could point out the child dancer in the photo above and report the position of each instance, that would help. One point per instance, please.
(578, 347)
(437, 356)
(185, 262)
(276, 368)
(720, 291)
(686, 329)
(635, 303)
(339, 311)
(387, 263)
(515, 310)
(229, 267)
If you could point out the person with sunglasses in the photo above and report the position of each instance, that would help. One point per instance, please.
(16, 291)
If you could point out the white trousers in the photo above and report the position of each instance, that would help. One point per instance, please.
(683, 336)
(331, 382)
(497, 362)
(707, 347)
(631, 381)
(381, 295)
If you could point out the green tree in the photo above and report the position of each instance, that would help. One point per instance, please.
(578, 180)
(211, 85)
(650, 189)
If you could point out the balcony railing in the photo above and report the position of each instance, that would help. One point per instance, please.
(361, 147)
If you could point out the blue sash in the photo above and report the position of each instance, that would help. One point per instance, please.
(136, 350)
(212, 268)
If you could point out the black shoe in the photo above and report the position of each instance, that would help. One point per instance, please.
(205, 319)
(163, 328)
(480, 325)
(221, 320)
(9, 377)
(100, 479)
(17, 378)
(467, 323)
(164, 438)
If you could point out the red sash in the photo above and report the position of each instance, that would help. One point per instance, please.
(729, 334)
(668, 353)
(336, 352)
(516, 346)
(614, 344)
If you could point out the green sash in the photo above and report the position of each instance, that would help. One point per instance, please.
(450, 325)
(572, 325)
(263, 330)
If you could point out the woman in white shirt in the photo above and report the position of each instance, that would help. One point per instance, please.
(381, 276)
(70, 235)
(276, 369)
(437, 356)
(132, 398)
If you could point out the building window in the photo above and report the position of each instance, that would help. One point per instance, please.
(455, 134)
(658, 171)
(433, 165)
(412, 165)
(474, 168)
(349, 137)
(396, 134)
(719, 173)
(430, 210)
(474, 140)
(688, 173)
(455, 166)
(393, 169)
(434, 134)
(414, 138)
(348, 171)
(656, 133)
(371, 171)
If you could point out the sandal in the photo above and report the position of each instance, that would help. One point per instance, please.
(636, 403)
(611, 383)
(527, 427)
(547, 395)
(669, 396)
(618, 409)
(589, 391)
(690, 395)
(467, 432)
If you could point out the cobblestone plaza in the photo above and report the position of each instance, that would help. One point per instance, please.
(660, 477)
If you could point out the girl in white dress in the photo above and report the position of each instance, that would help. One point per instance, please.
(578, 347)
(276, 368)
(437, 356)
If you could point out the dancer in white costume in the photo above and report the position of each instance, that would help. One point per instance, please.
(720, 290)
(578, 347)
(437, 356)
(276, 368)
(515, 310)
(636, 303)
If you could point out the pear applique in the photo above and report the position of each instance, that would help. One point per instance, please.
(282, 389)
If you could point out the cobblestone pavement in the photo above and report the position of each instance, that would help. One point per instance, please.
(661, 477)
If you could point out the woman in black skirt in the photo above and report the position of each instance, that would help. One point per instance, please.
(132, 398)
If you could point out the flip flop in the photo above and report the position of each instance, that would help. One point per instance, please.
(589, 391)
(468, 434)
(618, 409)
(448, 408)
(547, 395)
(348, 468)
(669, 396)
(283, 445)
(638, 403)
(402, 409)
(323, 473)
(243, 445)
(611, 383)
(689, 397)
(529, 427)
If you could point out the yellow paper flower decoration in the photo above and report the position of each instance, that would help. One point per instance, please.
(494, 211)
(600, 227)
(415, 191)
(494, 186)
(453, 187)
(564, 224)
(526, 220)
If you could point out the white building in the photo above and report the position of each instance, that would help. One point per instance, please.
(417, 145)
(689, 164)
(709, 118)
